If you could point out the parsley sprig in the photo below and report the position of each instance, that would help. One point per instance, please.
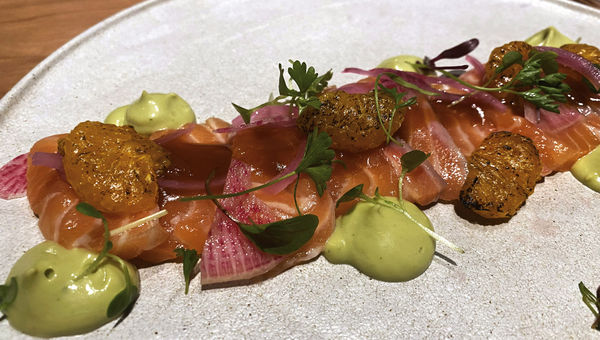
(308, 85)
(286, 236)
(409, 161)
(539, 74)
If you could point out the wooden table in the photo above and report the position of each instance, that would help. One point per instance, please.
(32, 29)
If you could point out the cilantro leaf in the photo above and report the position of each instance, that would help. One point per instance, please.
(282, 237)
(190, 259)
(8, 293)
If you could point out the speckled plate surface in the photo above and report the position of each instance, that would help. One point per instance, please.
(517, 279)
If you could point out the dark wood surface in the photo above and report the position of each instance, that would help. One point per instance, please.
(30, 30)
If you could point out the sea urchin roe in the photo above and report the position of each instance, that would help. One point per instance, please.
(351, 120)
(112, 168)
(502, 174)
(53, 301)
(589, 52)
(382, 242)
(587, 169)
(153, 112)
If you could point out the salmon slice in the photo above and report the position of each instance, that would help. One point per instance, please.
(228, 255)
(53, 200)
(423, 131)
(465, 122)
(194, 155)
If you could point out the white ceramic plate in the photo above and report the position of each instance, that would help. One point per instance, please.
(517, 279)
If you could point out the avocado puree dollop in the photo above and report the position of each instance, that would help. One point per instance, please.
(587, 169)
(52, 301)
(402, 63)
(153, 112)
(382, 242)
(549, 37)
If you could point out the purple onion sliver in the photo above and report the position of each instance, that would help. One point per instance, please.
(175, 134)
(575, 62)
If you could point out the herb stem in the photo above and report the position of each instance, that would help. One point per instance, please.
(234, 194)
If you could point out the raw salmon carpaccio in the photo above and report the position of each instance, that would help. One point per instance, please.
(187, 223)
(259, 155)
(53, 201)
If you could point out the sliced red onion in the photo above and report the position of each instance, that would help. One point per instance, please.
(425, 82)
(13, 178)
(478, 67)
(360, 87)
(187, 128)
(48, 159)
(278, 115)
(576, 63)
(531, 113)
(278, 187)
(552, 122)
(191, 185)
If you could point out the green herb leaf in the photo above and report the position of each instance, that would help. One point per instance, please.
(8, 293)
(511, 58)
(282, 237)
(126, 297)
(245, 113)
(351, 195)
(547, 60)
(412, 159)
(592, 302)
(190, 259)
(317, 159)
(89, 210)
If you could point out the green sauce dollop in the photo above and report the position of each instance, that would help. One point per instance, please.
(587, 169)
(381, 242)
(153, 112)
(549, 37)
(51, 301)
(402, 63)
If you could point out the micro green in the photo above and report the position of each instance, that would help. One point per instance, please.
(592, 302)
(190, 258)
(308, 85)
(286, 236)
(545, 92)
(410, 161)
(129, 294)
(8, 293)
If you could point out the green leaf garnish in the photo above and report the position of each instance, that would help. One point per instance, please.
(190, 259)
(308, 82)
(8, 293)
(89, 210)
(126, 297)
(544, 92)
(350, 195)
(592, 302)
(410, 161)
(317, 159)
(282, 237)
